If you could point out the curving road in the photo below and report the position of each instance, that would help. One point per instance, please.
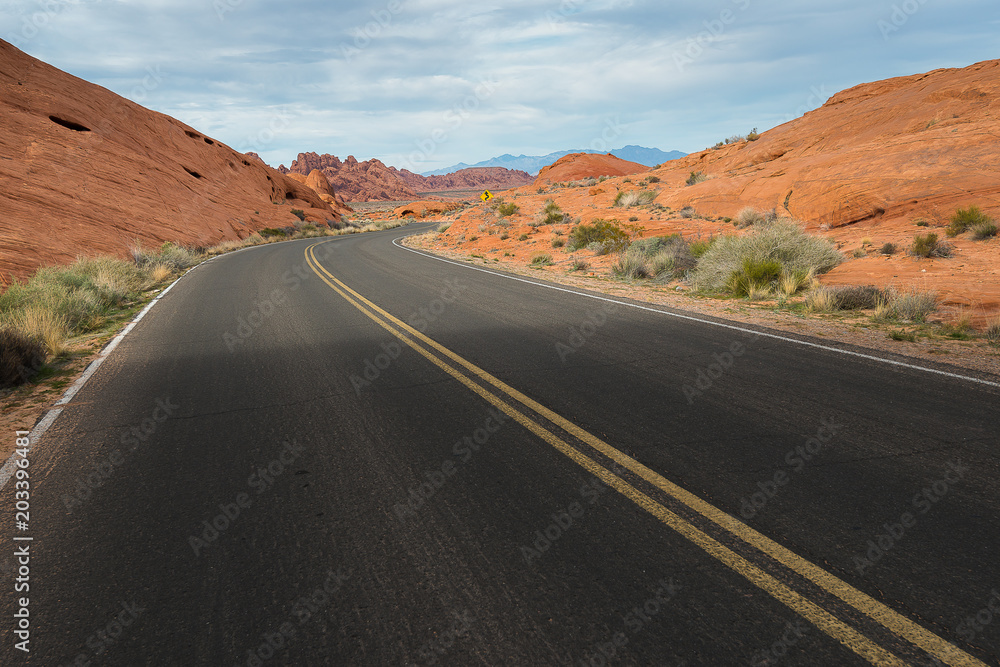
(352, 453)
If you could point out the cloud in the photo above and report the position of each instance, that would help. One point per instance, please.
(378, 78)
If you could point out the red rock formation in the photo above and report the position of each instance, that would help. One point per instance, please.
(919, 146)
(576, 166)
(84, 171)
(422, 209)
(473, 178)
(355, 181)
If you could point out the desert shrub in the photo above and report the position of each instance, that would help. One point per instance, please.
(631, 265)
(504, 235)
(506, 209)
(550, 215)
(21, 357)
(921, 223)
(783, 242)
(964, 218)
(984, 230)
(522, 237)
(652, 179)
(608, 233)
(541, 259)
(913, 305)
(859, 253)
(558, 242)
(754, 135)
(749, 216)
(993, 331)
(792, 282)
(820, 300)
(857, 297)
(754, 276)
(271, 231)
(299, 213)
(579, 265)
(928, 245)
(667, 255)
(699, 247)
(888, 249)
(696, 177)
(629, 198)
(901, 335)
(444, 226)
(688, 212)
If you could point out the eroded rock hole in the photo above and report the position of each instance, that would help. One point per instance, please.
(76, 127)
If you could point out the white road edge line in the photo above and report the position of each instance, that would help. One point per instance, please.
(43, 425)
(828, 348)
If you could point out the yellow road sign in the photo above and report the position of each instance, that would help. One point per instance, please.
(486, 196)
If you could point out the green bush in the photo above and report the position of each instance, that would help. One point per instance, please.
(913, 306)
(696, 177)
(964, 218)
(550, 215)
(888, 249)
(271, 231)
(299, 213)
(857, 297)
(631, 265)
(578, 265)
(783, 242)
(558, 242)
(506, 209)
(608, 233)
(749, 216)
(522, 237)
(699, 247)
(541, 259)
(927, 245)
(984, 230)
(753, 276)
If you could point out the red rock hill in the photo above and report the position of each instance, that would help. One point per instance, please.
(84, 171)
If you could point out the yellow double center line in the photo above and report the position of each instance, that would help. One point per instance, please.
(507, 397)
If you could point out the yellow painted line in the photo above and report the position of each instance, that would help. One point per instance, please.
(880, 613)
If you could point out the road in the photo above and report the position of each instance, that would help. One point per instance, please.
(345, 452)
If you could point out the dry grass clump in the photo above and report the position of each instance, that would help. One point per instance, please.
(630, 198)
(784, 243)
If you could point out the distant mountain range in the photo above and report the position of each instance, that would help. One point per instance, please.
(534, 163)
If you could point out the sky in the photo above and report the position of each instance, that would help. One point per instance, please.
(425, 84)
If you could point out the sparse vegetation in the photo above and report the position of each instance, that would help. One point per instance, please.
(913, 305)
(888, 249)
(299, 213)
(993, 331)
(506, 209)
(688, 212)
(754, 135)
(608, 233)
(578, 265)
(928, 245)
(550, 215)
(629, 198)
(444, 226)
(964, 218)
(541, 259)
(696, 177)
(782, 242)
(21, 357)
(984, 230)
(749, 216)
(558, 242)
(631, 265)
(900, 335)
(754, 277)
(921, 223)
(522, 237)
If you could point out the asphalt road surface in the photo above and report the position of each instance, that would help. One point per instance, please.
(350, 453)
